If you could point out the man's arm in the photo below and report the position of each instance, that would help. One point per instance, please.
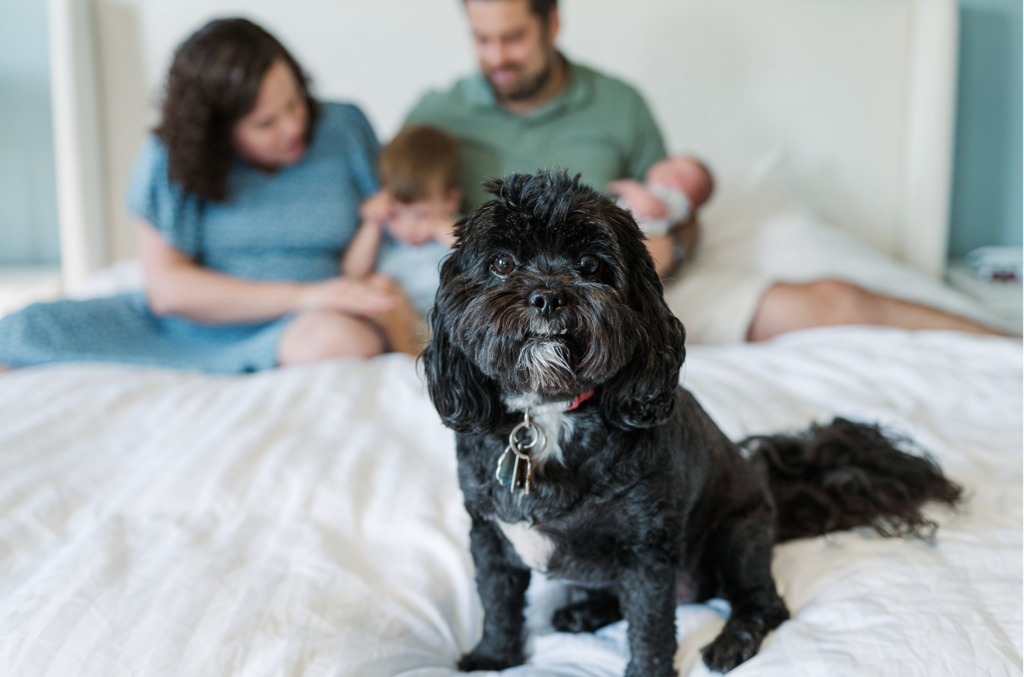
(675, 247)
(648, 145)
(679, 243)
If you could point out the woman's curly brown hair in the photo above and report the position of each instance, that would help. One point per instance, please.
(213, 83)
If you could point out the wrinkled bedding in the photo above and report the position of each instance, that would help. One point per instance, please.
(307, 521)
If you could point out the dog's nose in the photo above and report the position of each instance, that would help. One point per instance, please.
(546, 301)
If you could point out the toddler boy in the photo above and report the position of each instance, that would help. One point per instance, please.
(407, 225)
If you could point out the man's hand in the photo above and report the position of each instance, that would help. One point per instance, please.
(675, 247)
(643, 203)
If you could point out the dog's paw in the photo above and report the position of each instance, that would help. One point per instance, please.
(483, 661)
(732, 647)
(586, 616)
(636, 670)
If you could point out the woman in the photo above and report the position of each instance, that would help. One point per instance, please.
(248, 193)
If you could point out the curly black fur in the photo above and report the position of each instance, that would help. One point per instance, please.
(846, 475)
(551, 294)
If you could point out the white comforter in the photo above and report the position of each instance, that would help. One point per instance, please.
(307, 521)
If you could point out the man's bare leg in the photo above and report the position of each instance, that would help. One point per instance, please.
(787, 307)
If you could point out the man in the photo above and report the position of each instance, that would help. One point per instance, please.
(530, 107)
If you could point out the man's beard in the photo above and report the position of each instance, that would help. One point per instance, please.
(530, 86)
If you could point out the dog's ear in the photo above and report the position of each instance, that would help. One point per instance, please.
(467, 400)
(643, 393)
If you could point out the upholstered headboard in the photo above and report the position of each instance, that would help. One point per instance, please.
(859, 92)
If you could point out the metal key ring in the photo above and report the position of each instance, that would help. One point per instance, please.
(520, 450)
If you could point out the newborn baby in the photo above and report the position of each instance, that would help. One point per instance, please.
(674, 188)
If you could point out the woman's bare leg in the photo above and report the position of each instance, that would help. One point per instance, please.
(787, 307)
(324, 335)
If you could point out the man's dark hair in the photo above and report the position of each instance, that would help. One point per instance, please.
(213, 83)
(539, 8)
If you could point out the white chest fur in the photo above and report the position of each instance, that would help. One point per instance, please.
(533, 547)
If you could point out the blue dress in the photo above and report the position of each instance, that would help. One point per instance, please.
(291, 225)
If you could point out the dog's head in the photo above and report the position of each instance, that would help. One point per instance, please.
(551, 292)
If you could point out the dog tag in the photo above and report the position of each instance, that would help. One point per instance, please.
(533, 440)
(515, 472)
(505, 471)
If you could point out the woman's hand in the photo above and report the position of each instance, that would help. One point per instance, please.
(363, 297)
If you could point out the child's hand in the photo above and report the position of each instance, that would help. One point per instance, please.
(377, 208)
(643, 203)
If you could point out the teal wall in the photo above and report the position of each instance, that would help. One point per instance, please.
(986, 199)
(987, 182)
(28, 191)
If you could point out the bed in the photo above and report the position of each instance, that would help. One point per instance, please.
(307, 521)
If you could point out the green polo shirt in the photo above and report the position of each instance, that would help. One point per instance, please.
(597, 126)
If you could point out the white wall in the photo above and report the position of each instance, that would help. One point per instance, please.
(986, 200)
(727, 79)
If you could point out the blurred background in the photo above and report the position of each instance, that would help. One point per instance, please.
(986, 196)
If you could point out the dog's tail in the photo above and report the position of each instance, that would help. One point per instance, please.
(845, 475)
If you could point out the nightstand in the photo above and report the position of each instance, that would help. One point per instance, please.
(22, 285)
(1002, 299)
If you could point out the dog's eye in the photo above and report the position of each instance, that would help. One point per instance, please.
(503, 265)
(587, 265)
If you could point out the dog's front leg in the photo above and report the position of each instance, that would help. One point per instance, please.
(648, 600)
(502, 586)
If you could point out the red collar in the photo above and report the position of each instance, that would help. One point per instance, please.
(580, 399)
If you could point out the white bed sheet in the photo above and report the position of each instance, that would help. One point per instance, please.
(307, 521)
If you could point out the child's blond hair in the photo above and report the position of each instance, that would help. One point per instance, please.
(418, 162)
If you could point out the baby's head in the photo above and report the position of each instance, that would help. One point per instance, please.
(420, 171)
(686, 174)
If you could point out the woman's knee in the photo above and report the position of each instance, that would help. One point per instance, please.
(325, 335)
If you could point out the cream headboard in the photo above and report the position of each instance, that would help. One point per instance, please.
(860, 92)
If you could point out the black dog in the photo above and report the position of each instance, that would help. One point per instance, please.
(550, 319)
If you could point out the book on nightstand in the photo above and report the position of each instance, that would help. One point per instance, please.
(22, 285)
(993, 276)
